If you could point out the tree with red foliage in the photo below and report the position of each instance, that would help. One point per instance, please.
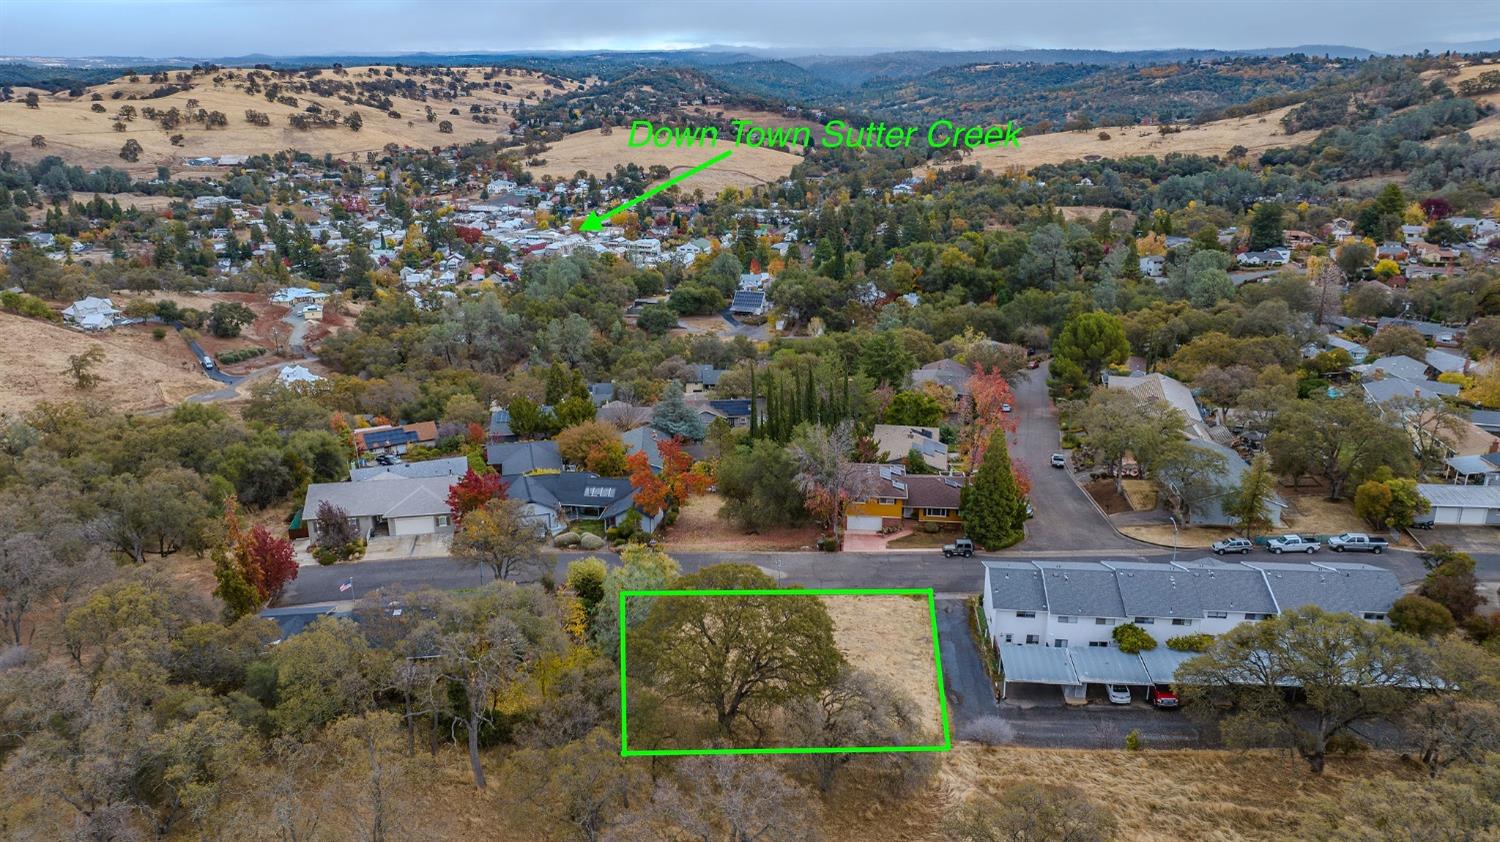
(989, 391)
(252, 568)
(674, 484)
(473, 491)
(1436, 207)
(467, 234)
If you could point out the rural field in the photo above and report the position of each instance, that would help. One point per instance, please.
(86, 138)
(1257, 133)
(599, 153)
(139, 373)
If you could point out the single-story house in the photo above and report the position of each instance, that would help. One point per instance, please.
(449, 466)
(896, 441)
(553, 500)
(389, 439)
(1473, 505)
(644, 439)
(946, 372)
(1209, 510)
(1269, 257)
(736, 411)
(393, 506)
(500, 425)
(523, 457)
(933, 498)
(1161, 387)
(293, 374)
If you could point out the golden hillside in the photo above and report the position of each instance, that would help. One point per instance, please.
(82, 134)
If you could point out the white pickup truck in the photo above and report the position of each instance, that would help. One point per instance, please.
(1357, 542)
(1291, 544)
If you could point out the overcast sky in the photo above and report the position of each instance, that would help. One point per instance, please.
(207, 28)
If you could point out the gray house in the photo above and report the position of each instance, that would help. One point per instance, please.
(389, 506)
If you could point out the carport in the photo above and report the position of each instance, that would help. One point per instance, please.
(1161, 664)
(1031, 664)
(1098, 665)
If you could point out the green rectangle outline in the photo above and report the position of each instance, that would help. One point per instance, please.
(937, 660)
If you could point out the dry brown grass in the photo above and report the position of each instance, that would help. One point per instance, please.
(699, 527)
(1140, 493)
(1488, 126)
(1314, 514)
(86, 138)
(1187, 537)
(1257, 133)
(890, 637)
(139, 373)
(599, 153)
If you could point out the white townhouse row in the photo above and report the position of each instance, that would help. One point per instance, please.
(1078, 604)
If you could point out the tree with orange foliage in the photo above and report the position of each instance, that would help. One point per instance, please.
(251, 568)
(674, 484)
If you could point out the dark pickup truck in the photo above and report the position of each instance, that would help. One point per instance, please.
(1357, 542)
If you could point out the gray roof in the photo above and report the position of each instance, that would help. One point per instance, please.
(1036, 664)
(1015, 586)
(1209, 510)
(1444, 361)
(1402, 367)
(1462, 496)
(455, 466)
(1161, 664)
(1081, 588)
(580, 489)
(1485, 419)
(644, 438)
(1332, 586)
(1157, 590)
(396, 497)
(1381, 391)
(1428, 329)
(524, 457)
(1227, 586)
(1098, 665)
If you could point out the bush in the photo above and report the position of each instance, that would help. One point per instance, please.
(1131, 639)
(1190, 642)
(1133, 741)
(567, 539)
(159, 333)
(930, 527)
(827, 544)
(240, 355)
(590, 541)
(333, 555)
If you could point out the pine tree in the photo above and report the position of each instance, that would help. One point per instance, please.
(675, 418)
(991, 505)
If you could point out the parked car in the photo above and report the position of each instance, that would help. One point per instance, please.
(1231, 545)
(1059, 460)
(386, 459)
(1357, 542)
(1118, 694)
(1425, 521)
(962, 547)
(1033, 363)
(1161, 697)
(1005, 407)
(1292, 544)
(208, 362)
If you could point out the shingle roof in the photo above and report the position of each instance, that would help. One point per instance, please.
(1332, 586)
(1402, 367)
(449, 466)
(1157, 590)
(1081, 588)
(930, 491)
(524, 457)
(1226, 586)
(398, 497)
(1161, 387)
(1015, 586)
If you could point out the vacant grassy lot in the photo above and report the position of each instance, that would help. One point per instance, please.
(139, 373)
(699, 527)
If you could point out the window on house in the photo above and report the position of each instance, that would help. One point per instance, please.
(1031, 638)
(442, 520)
(1374, 615)
(1025, 614)
(1101, 621)
(1181, 621)
(1067, 619)
(1253, 617)
(1216, 615)
(1060, 643)
(1008, 638)
(939, 512)
(1144, 621)
(1099, 644)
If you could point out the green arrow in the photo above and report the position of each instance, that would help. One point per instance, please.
(595, 221)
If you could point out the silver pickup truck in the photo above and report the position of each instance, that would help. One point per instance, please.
(1357, 542)
(1292, 544)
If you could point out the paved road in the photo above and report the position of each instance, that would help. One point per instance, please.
(1065, 517)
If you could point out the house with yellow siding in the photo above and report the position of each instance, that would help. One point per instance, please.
(895, 497)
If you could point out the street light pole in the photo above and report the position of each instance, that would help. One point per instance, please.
(1174, 538)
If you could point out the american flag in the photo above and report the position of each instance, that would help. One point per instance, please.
(346, 585)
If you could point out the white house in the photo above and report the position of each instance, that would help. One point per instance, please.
(294, 374)
(91, 313)
(1073, 607)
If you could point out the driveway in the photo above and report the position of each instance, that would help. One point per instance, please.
(1065, 518)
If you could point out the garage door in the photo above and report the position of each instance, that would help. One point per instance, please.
(864, 523)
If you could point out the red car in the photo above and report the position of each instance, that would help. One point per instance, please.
(1161, 697)
(1033, 363)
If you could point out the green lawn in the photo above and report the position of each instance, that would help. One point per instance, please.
(582, 526)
